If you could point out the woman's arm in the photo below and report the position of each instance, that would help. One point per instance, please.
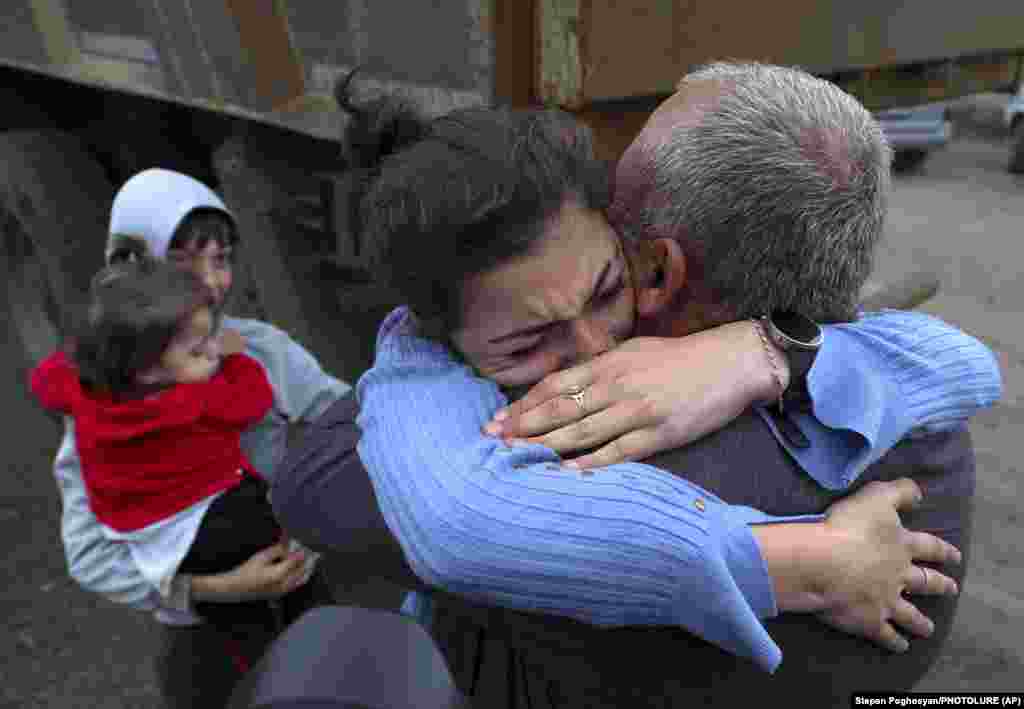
(629, 545)
(861, 548)
(882, 377)
(873, 381)
(105, 566)
(97, 563)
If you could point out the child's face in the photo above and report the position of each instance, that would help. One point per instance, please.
(211, 264)
(194, 354)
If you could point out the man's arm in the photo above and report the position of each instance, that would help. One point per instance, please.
(322, 495)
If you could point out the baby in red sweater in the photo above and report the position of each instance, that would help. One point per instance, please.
(159, 400)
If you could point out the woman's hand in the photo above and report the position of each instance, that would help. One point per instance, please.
(854, 570)
(231, 342)
(874, 558)
(270, 573)
(645, 396)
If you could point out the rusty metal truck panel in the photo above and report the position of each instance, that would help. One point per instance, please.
(275, 61)
(272, 61)
(597, 51)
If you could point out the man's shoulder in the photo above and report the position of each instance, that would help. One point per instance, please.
(744, 464)
(943, 458)
(745, 439)
(343, 412)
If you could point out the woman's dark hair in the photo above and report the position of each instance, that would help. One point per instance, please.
(444, 199)
(136, 310)
(203, 225)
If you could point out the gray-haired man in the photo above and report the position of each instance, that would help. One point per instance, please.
(688, 281)
(753, 189)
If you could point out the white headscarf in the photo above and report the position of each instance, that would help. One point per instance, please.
(151, 205)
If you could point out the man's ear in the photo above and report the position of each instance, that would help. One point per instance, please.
(659, 268)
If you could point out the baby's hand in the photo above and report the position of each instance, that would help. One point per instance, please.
(231, 342)
(270, 573)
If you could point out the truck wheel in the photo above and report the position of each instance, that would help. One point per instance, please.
(1016, 165)
(54, 202)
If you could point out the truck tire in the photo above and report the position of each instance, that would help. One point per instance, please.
(1016, 165)
(54, 202)
(23, 115)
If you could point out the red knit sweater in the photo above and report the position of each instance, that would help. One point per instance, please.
(143, 460)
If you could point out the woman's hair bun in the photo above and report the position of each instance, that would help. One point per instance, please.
(378, 127)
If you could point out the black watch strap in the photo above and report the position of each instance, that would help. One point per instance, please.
(799, 338)
(796, 397)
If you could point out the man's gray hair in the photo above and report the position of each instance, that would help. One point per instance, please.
(781, 189)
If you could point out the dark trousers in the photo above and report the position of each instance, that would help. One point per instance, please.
(237, 524)
(199, 666)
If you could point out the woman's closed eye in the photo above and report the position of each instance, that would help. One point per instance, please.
(610, 294)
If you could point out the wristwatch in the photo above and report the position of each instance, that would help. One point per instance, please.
(799, 338)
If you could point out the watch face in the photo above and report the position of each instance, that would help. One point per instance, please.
(796, 326)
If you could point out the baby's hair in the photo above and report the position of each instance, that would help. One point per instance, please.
(136, 310)
(203, 225)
